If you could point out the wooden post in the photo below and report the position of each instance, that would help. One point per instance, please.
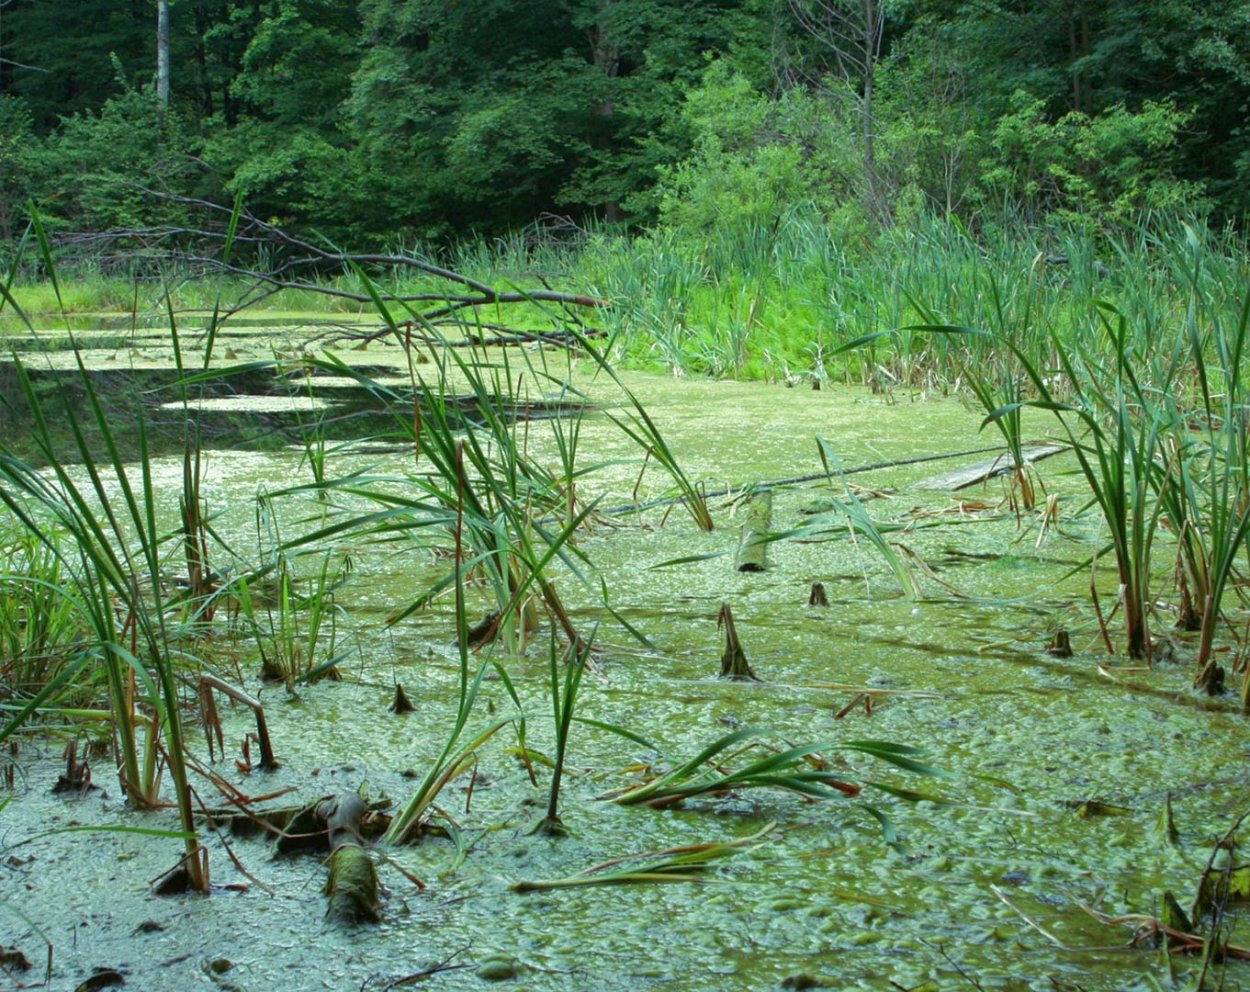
(753, 547)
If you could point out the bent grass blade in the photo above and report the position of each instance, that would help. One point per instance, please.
(687, 863)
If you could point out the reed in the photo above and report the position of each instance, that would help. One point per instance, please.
(687, 863)
(41, 626)
(111, 551)
(1206, 486)
(456, 757)
(564, 686)
(1116, 434)
(99, 519)
(293, 619)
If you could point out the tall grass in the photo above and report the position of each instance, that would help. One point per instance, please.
(455, 757)
(99, 520)
(1206, 486)
(41, 625)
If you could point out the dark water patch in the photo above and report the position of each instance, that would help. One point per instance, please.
(257, 408)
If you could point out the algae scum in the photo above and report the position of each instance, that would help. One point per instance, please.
(1036, 859)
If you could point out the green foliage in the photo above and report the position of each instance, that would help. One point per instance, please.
(18, 156)
(755, 158)
(1086, 170)
(297, 66)
(377, 121)
(95, 168)
(934, 133)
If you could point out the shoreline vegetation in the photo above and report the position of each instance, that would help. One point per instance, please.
(781, 304)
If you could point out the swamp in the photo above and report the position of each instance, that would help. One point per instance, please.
(624, 495)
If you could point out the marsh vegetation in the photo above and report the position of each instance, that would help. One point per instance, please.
(486, 515)
(666, 495)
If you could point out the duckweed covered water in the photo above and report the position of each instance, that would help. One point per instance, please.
(1059, 768)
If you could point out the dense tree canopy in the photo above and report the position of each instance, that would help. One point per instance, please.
(383, 120)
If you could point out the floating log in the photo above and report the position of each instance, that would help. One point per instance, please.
(753, 547)
(1004, 464)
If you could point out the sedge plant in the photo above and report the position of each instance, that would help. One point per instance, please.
(101, 522)
(1117, 435)
(1206, 488)
(458, 754)
(100, 519)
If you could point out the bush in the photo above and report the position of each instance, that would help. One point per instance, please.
(18, 154)
(96, 166)
(1087, 171)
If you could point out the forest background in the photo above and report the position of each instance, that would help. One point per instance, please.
(393, 122)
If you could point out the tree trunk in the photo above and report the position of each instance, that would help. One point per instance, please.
(162, 55)
(852, 30)
(870, 154)
(607, 58)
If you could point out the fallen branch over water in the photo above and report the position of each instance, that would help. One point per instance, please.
(793, 480)
(305, 259)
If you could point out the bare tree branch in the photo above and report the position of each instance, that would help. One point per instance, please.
(299, 271)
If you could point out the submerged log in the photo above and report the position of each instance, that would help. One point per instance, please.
(322, 825)
(352, 883)
(335, 824)
(753, 547)
(352, 891)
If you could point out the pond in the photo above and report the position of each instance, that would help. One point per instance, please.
(1026, 866)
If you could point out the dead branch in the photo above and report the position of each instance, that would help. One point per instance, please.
(306, 262)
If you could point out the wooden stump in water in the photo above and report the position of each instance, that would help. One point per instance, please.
(401, 703)
(1173, 917)
(1210, 679)
(733, 663)
(1060, 645)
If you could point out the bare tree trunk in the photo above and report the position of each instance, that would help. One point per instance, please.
(875, 200)
(162, 55)
(852, 30)
(607, 58)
